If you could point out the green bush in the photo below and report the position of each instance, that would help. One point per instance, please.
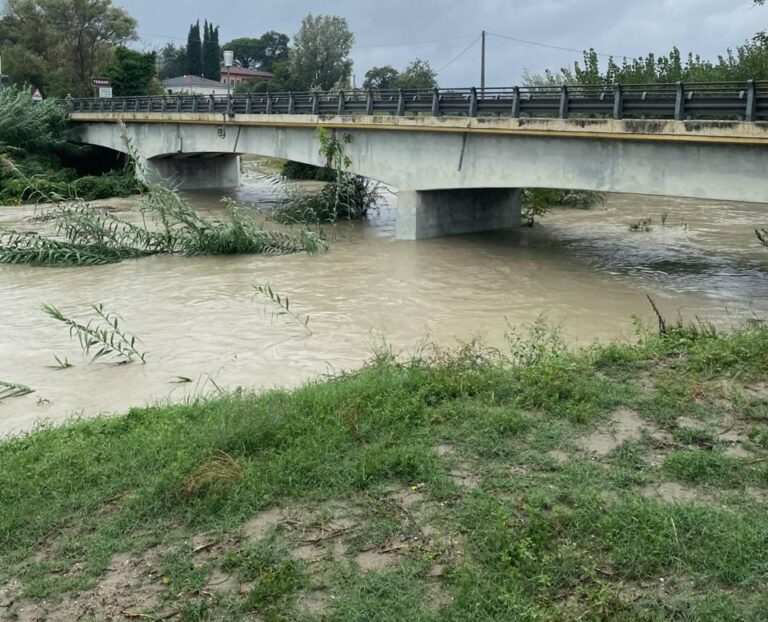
(299, 171)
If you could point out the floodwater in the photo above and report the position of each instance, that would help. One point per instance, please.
(198, 318)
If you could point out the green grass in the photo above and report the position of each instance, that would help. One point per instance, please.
(437, 472)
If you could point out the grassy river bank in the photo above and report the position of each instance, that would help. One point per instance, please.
(620, 482)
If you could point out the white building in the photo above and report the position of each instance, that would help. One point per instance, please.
(193, 85)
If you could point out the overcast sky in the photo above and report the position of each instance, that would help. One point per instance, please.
(396, 31)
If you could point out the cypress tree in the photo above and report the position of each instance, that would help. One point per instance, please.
(194, 51)
(216, 53)
(211, 53)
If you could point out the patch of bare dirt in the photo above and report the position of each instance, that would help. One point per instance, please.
(315, 602)
(757, 390)
(444, 449)
(260, 525)
(558, 456)
(407, 497)
(671, 492)
(377, 560)
(624, 424)
(465, 477)
(131, 585)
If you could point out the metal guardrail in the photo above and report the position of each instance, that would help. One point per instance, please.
(746, 101)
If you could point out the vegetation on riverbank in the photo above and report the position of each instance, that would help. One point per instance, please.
(538, 201)
(36, 161)
(616, 483)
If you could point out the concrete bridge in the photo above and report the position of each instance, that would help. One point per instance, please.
(458, 158)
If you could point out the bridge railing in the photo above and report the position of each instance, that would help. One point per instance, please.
(747, 101)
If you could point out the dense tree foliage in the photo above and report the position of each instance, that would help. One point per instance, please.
(381, 78)
(417, 75)
(260, 52)
(320, 53)
(133, 73)
(171, 61)
(748, 61)
(194, 66)
(59, 45)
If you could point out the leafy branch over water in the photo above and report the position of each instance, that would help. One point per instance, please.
(102, 334)
(284, 304)
(11, 389)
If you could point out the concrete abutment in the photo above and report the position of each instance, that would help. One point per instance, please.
(433, 213)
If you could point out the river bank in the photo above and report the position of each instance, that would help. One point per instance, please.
(616, 483)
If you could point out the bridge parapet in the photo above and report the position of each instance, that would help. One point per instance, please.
(742, 101)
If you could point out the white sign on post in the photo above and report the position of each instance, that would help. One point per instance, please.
(105, 92)
(37, 96)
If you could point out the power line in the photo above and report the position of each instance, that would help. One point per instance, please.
(464, 51)
(354, 47)
(552, 47)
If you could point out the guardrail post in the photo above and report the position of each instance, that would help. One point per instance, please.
(340, 110)
(516, 102)
(178, 103)
(269, 103)
(291, 103)
(563, 111)
(230, 106)
(369, 103)
(472, 102)
(679, 101)
(315, 103)
(435, 103)
(400, 103)
(248, 103)
(211, 103)
(751, 112)
(195, 103)
(618, 102)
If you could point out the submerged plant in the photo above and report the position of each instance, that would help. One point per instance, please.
(102, 335)
(641, 226)
(762, 236)
(284, 304)
(539, 201)
(12, 389)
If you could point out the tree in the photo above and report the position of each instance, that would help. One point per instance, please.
(320, 53)
(133, 73)
(246, 51)
(260, 52)
(381, 78)
(172, 61)
(418, 75)
(274, 49)
(211, 59)
(59, 45)
(194, 66)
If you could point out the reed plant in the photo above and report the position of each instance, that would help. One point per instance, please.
(13, 389)
(284, 304)
(101, 336)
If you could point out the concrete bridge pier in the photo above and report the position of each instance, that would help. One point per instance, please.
(199, 172)
(433, 213)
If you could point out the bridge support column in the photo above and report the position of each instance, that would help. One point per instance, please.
(434, 213)
(195, 173)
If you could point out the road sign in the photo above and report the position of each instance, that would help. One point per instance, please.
(105, 92)
(101, 81)
(37, 95)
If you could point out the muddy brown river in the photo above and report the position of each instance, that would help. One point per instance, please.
(198, 317)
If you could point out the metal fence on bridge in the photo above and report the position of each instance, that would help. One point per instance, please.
(745, 101)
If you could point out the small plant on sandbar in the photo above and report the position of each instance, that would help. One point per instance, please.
(101, 336)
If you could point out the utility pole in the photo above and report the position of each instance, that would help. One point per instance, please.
(482, 64)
